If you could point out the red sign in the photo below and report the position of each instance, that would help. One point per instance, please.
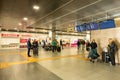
(23, 40)
(9, 35)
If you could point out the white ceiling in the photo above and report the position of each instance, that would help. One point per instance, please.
(61, 12)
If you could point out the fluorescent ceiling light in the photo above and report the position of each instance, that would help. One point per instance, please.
(19, 24)
(25, 18)
(15, 28)
(36, 7)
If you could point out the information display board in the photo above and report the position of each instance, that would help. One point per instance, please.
(107, 24)
(83, 27)
(78, 28)
(92, 26)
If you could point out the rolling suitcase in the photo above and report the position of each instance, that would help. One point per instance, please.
(59, 49)
(35, 51)
(105, 57)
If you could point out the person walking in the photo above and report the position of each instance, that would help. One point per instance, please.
(29, 47)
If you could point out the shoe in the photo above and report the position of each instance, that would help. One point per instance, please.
(90, 60)
(29, 56)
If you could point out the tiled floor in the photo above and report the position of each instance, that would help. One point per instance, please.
(67, 65)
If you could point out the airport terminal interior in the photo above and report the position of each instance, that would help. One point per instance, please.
(59, 39)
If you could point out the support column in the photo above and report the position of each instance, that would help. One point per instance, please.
(53, 31)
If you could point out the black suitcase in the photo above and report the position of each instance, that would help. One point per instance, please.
(59, 49)
(105, 57)
(35, 51)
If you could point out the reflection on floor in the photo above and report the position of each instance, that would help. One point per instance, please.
(69, 64)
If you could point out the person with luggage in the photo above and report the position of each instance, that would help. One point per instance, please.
(105, 56)
(35, 47)
(93, 52)
(29, 47)
(48, 47)
(112, 49)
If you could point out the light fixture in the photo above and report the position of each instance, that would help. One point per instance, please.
(15, 28)
(25, 18)
(36, 7)
(19, 24)
(33, 29)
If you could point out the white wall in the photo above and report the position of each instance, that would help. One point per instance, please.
(102, 36)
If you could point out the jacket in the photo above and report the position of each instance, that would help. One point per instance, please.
(93, 45)
(28, 44)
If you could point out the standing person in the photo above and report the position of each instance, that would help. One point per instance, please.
(93, 52)
(29, 47)
(87, 45)
(35, 47)
(56, 44)
(44, 43)
(53, 45)
(83, 45)
(61, 44)
(78, 44)
(112, 49)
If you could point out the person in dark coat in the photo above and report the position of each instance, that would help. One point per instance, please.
(61, 44)
(87, 45)
(78, 44)
(93, 44)
(93, 52)
(112, 49)
(35, 47)
(29, 47)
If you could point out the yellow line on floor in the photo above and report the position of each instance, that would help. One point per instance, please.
(4, 65)
(31, 60)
